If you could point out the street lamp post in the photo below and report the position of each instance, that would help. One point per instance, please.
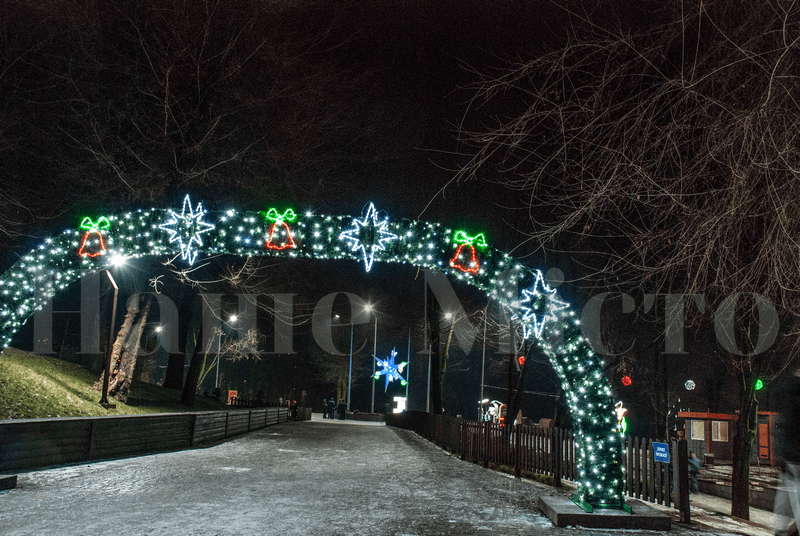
(109, 347)
(219, 342)
(350, 370)
(368, 308)
(483, 356)
(449, 318)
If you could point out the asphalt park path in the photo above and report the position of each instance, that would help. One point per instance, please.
(313, 478)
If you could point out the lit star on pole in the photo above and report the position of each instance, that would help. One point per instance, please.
(533, 322)
(186, 229)
(368, 236)
(390, 370)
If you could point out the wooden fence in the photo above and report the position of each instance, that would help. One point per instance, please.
(35, 443)
(531, 449)
(645, 478)
(544, 450)
(443, 430)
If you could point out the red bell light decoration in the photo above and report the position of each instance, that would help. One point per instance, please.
(626, 381)
(465, 258)
(280, 234)
(521, 360)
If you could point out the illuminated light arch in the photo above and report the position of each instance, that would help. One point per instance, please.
(55, 264)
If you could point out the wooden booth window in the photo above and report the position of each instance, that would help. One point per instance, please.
(719, 431)
(698, 430)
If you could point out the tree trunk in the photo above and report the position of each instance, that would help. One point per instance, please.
(434, 331)
(195, 342)
(515, 402)
(445, 357)
(121, 385)
(510, 384)
(195, 368)
(341, 389)
(743, 445)
(173, 378)
(119, 342)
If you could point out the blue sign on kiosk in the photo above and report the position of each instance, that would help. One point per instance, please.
(660, 452)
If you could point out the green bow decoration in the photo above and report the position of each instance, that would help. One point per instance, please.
(272, 214)
(94, 227)
(463, 238)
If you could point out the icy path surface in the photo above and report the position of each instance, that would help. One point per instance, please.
(307, 478)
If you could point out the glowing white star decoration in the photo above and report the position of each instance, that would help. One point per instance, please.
(391, 370)
(531, 322)
(186, 229)
(368, 235)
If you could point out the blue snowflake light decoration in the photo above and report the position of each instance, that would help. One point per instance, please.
(368, 235)
(538, 307)
(391, 370)
(186, 229)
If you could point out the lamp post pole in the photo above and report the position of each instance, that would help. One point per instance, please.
(374, 352)
(428, 399)
(109, 347)
(219, 342)
(408, 372)
(483, 356)
(350, 370)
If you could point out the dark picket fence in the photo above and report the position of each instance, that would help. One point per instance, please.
(36, 443)
(645, 478)
(532, 449)
(443, 430)
(543, 450)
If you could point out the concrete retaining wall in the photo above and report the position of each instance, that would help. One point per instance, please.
(35, 443)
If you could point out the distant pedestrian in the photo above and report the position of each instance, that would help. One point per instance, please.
(331, 408)
(342, 409)
(324, 409)
(787, 499)
(694, 470)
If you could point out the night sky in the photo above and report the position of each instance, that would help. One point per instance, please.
(84, 122)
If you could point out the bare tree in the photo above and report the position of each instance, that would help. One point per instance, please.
(670, 159)
(125, 350)
(114, 104)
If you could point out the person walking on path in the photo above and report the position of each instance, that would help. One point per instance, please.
(694, 470)
(787, 500)
(324, 409)
(331, 408)
(342, 409)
